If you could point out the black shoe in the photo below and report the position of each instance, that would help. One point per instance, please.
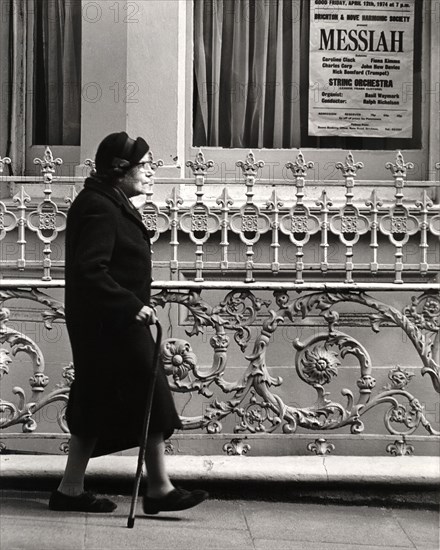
(177, 499)
(85, 502)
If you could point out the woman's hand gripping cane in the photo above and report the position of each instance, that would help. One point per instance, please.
(147, 315)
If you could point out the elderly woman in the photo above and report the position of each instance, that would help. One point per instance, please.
(108, 277)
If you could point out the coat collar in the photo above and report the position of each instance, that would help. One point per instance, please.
(119, 198)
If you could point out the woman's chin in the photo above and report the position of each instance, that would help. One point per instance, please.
(138, 201)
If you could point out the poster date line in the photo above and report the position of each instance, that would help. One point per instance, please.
(365, 3)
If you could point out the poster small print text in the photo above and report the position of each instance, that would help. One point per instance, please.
(361, 68)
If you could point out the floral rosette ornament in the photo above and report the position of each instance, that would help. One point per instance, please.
(178, 359)
(320, 365)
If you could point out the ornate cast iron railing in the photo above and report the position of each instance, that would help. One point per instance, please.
(294, 227)
(251, 357)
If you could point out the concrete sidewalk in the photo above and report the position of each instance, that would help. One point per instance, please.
(26, 523)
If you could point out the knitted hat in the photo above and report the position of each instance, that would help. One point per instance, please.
(117, 153)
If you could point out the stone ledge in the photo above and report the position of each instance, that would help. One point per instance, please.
(421, 471)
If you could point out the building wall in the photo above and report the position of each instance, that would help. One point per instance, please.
(149, 89)
(137, 76)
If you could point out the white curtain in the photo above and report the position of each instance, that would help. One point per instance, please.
(246, 73)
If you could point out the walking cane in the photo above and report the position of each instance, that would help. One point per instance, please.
(143, 442)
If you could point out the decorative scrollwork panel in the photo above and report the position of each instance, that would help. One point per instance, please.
(329, 382)
(26, 405)
(255, 397)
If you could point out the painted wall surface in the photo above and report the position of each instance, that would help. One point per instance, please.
(130, 73)
(104, 70)
(152, 67)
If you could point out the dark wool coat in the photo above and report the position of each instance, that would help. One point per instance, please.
(108, 277)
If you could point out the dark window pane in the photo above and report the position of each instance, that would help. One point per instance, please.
(57, 72)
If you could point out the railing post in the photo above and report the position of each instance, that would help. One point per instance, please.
(225, 202)
(150, 211)
(374, 205)
(249, 213)
(350, 224)
(47, 212)
(197, 223)
(302, 224)
(397, 224)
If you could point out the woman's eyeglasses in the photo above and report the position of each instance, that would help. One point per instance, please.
(144, 165)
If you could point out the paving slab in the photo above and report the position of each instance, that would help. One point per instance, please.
(357, 526)
(421, 526)
(213, 514)
(42, 533)
(26, 523)
(211, 525)
(271, 544)
(164, 535)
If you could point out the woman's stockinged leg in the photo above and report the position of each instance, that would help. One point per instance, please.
(70, 496)
(80, 451)
(161, 496)
(159, 484)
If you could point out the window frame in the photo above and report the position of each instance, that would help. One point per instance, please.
(70, 154)
(325, 159)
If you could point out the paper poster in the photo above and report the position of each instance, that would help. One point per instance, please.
(361, 68)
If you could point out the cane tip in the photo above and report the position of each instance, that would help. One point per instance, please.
(130, 523)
